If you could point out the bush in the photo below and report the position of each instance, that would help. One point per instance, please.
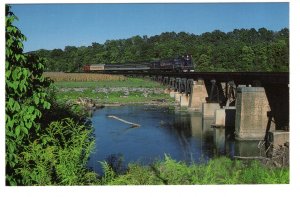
(59, 156)
(216, 171)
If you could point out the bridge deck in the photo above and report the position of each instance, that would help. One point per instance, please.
(239, 77)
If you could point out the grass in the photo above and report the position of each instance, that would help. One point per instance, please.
(217, 171)
(112, 97)
(128, 82)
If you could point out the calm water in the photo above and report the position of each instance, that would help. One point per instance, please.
(182, 135)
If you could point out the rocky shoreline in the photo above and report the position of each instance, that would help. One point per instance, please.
(92, 104)
(124, 90)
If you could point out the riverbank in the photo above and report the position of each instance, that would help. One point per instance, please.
(128, 91)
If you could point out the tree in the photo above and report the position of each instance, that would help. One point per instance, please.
(247, 58)
(265, 35)
(203, 63)
(278, 55)
(226, 51)
(261, 58)
(25, 97)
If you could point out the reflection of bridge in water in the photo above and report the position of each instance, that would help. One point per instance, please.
(210, 141)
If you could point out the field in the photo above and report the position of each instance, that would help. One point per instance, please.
(80, 77)
(126, 82)
(106, 89)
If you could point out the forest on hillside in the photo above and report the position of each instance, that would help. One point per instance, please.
(238, 50)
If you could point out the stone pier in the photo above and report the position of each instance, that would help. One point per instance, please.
(167, 91)
(208, 109)
(184, 100)
(172, 93)
(177, 97)
(225, 117)
(198, 95)
(251, 118)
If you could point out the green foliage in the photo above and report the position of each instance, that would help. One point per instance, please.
(60, 110)
(247, 57)
(40, 150)
(238, 50)
(109, 173)
(203, 63)
(59, 156)
(216, 171)
(25, 95)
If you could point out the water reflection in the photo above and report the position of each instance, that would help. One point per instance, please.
(219, 140)
(247, 148)
(182, 135)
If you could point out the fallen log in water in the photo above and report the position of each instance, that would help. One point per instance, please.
(260, 157)
(127, 122)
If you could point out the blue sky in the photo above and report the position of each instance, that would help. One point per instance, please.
(49, 26)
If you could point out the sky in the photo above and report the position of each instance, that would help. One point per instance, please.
(49, 26)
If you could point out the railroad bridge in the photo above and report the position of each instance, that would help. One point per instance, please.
(255, 103)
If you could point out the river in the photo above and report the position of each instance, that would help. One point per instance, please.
(184, 136)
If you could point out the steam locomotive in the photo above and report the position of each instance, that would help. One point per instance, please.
(179, 64)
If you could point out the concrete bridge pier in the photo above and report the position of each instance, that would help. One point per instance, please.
(177, 96)
(252, 118)
(167, 90)
(209, 109)
(184, 100)
(198, 95)
(172, 93)
(225, 117)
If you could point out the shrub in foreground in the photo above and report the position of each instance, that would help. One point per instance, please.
(59, 156)
(216, 171)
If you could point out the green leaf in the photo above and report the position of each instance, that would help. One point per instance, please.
(15, 74)
(30, 109)
(16, 106)
(15, 85)
(11, 147)
(36, 100)
(20, 45)
(11, 102)
(7, 74)
(48, 105)
(25, 130)
(26, 72)
(22, 86)
(18, 128)
(28, 124)
(18, 56)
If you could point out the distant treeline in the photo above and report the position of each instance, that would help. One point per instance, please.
(238, 50)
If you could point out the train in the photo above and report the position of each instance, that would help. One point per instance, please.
(178, 64)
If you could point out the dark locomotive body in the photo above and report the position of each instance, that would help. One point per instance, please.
(180, 64)
(183, 63)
